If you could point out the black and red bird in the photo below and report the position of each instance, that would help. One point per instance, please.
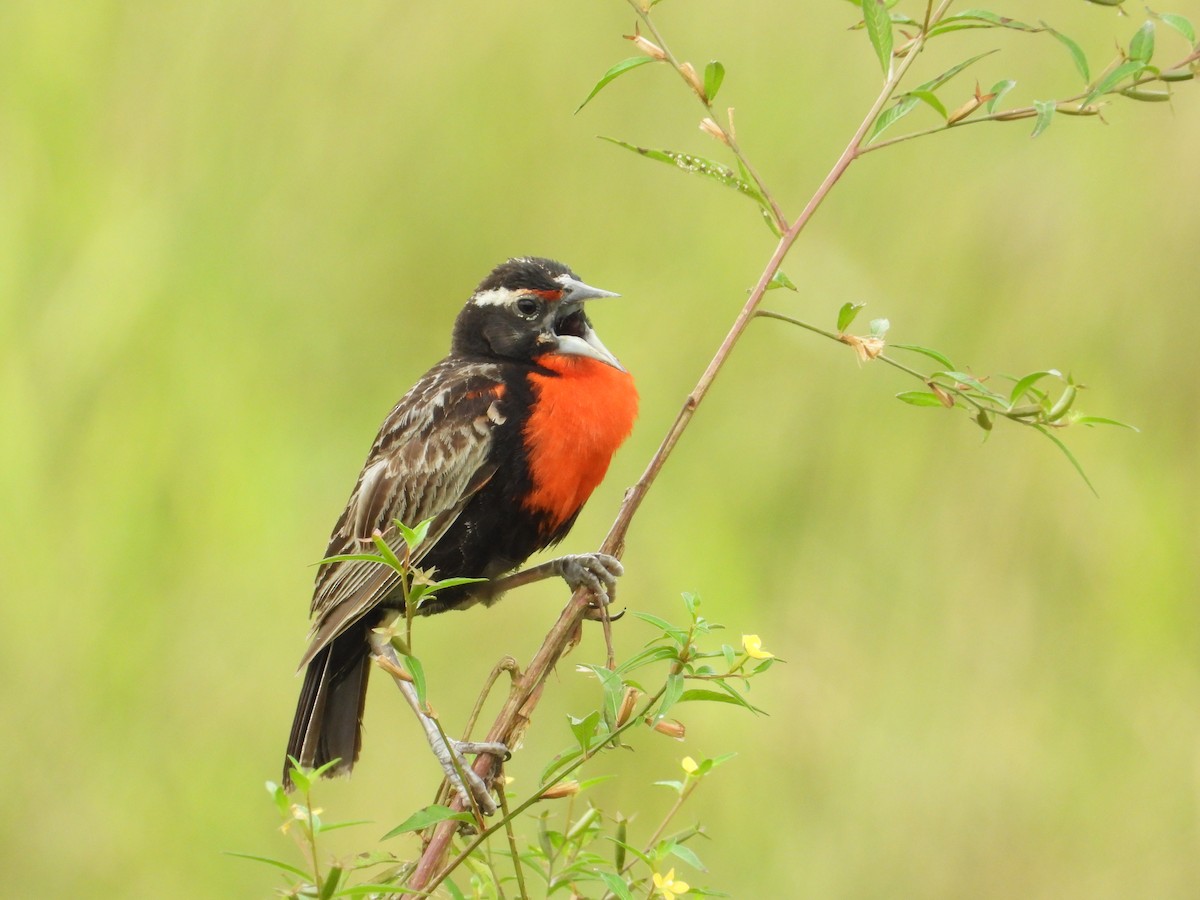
(500, 444)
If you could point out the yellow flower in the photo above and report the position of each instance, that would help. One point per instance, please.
(752, 644)
(668, 886)
(689, 765)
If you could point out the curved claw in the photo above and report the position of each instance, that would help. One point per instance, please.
(598, 572)
(596, 614)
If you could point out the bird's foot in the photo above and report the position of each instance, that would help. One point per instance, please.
(452, 756)
(598, 572)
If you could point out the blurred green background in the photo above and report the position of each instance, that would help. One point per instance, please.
(232, 234)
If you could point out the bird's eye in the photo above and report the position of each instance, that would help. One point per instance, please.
(528, 306)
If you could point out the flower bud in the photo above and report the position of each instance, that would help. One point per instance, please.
(560, 790)
(648, 47)
(712, 129)
(672, 728)
(693, 79)
(627, 703)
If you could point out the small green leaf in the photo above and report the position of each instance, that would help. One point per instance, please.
(879, 327)
(1143, 96)
(879, 30)
(847, 314)
(698, 165)
(930, 99)
(1101, 420)
(423, 818)
(714, 74)
(687, 855)
(614, 690)
(972, 382)
(999, 89)
(1023, 385)
(271, 862)
(585, 729)
(671, 695)
(1069, 455)
(1077, 54)
(417, 671)
(935, 83)
(932, 354)
(780, 280)
(919, 398)
(616, 71)
(1045, 112)
(1130, 69)
(616, 885)
(893, 114)
(693, 695)
(1181, 24)
(1141, 47)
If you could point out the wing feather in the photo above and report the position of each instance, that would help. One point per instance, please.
(429, 459)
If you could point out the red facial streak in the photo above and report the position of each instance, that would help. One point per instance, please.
(579, 420)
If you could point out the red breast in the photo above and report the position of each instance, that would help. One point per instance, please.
(580, 416)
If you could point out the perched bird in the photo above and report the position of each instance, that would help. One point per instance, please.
(500, 444)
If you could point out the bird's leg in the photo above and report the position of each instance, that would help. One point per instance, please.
(598, 572)
(449, 753)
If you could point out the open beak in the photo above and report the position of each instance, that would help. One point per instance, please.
(571, 332)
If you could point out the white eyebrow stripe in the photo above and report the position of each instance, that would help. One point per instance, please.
(495, 297)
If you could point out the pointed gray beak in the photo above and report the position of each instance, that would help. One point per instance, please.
(576, 291)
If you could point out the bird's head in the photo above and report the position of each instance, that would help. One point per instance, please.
(527, 308)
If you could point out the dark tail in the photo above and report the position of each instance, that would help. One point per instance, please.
(328, 723)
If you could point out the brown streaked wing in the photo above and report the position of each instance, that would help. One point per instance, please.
(429, 458)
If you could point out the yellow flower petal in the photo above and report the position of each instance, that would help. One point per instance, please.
(689, 765)
(679, 887)
(752, 644)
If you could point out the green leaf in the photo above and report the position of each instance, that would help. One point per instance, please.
(383, 890)
(714, 74)
(1181, 24)
(919, 398)
(615, 72)
(1130, 69)
(423, 818)
(1077, 54)
(687, 855)
(780, 280)
(647, 656)
(847, 314)
(1023, 385)
(454, 891)
(693, 695)
(674, 690)
(616, 884)
(332, 878)
(1069, 455)
(614, 690)
(935, 83)
(585, 729)
(1045, 112)
(1101, 420)
(930, 99)
(414, 537)
(1141, 47)
(879, 327)
(893, 114)
(271, 862)
(999, 89)
(698, 165)
(879, 30)
(932, 354)
(417, 671)
(452, 582)
(676, 634)
(560, 761)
